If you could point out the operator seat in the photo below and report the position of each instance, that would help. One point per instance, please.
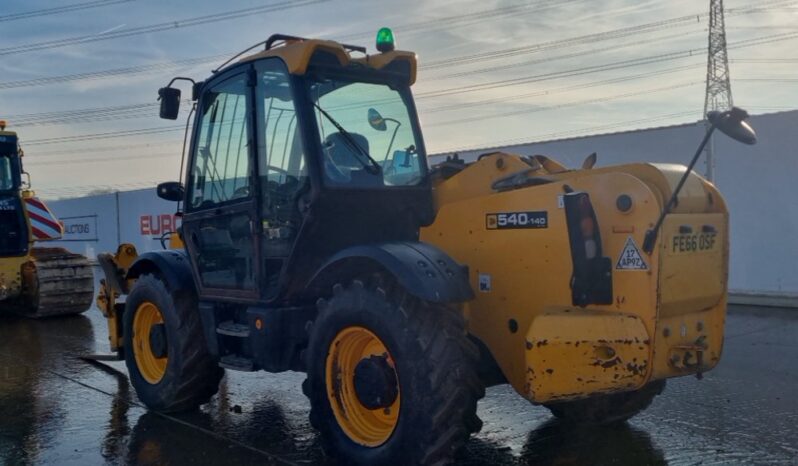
(341, 158)
(344, 164)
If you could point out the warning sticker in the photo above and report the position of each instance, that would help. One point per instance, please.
(631, 259)
(484, 283)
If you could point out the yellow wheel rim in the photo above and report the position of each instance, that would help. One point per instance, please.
(151, 367)
(367, 427)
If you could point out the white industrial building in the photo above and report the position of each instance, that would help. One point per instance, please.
(760, 184)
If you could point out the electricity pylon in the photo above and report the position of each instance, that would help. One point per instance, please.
(718, 95)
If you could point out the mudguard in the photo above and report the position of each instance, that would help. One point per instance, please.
(172, 265)
(423, 270)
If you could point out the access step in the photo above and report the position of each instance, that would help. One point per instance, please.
(233, 329)
(236, 363)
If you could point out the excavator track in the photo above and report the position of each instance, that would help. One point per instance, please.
(56, 282)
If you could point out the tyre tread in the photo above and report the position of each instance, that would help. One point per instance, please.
(440, 336)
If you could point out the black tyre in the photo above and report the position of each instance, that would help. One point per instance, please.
(391, 379)
(607, 409)
(165, 349)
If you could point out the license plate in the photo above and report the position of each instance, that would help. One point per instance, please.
(693, 243)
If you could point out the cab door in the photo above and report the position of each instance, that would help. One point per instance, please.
(220, 220)
(285, 186)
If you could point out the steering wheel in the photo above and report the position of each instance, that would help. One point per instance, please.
(241, 192)
(277, 169)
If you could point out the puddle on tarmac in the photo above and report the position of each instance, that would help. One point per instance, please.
(57, 409)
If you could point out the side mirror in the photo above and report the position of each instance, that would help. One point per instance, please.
(170, 102)
(171, 191)
(376, 120)
(732, 124)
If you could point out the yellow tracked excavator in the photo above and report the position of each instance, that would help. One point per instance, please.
(317, 239)
(35, 281)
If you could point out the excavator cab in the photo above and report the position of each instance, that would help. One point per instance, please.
(13, 228)
(34, 281)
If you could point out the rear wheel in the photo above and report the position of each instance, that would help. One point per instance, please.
(166, 354)
(391, 379)
(607, 409)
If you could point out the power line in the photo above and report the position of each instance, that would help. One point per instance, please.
(140, 110)
(147, 110)
(94, 149)
(130, 70)
(603, 67)
(479, 87)
(549, 137)
(127, 112)
(159, 27)
(600, 36)
(107, 135)
(781, 80)
(468, 18)
(611, 98)
(162, 155)
(75, 191)
(560, 43)
(547, 92)
(561, 74)
(88, 115)
(763, 60)
(59, 10)
(415, 27)
(88, 137)
(539, 61)
(430, 25)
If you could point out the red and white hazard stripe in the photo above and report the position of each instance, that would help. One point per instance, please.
(43, 223)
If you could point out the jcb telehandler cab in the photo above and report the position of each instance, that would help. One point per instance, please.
(317, 240)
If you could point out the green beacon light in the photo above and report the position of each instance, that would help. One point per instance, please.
(385, 40)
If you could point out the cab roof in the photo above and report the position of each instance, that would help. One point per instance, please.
(297, 54)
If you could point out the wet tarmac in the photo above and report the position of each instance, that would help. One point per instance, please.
(57, 409)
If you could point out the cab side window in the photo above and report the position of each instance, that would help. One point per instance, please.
(221, 164)
(6, 179)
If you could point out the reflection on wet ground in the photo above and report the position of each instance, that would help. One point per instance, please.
(58, 409)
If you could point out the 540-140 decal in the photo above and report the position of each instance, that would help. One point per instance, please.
(515, 220)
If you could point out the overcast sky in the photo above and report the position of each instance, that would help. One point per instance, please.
(492, 71)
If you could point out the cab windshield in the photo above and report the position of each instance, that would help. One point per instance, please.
(367, 134)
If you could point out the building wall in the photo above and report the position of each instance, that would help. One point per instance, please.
(760, 184)
(96, 224)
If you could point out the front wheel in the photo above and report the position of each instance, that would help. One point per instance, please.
(607, 409)
(165, 349)
(391, 379)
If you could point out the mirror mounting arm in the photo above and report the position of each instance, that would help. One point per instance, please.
(651, 234)
(180, 78)
(730, 123)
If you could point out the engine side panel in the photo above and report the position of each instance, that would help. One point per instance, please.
(522, 277)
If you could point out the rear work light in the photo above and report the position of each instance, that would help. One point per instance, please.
(591, 281)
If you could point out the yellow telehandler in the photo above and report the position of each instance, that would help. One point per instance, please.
(317, 239)
(35, 281)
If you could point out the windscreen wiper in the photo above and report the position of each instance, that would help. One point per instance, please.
(372, 166)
